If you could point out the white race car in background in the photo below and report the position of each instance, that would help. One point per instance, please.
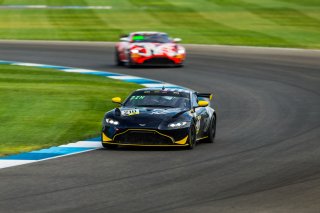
(149, 48)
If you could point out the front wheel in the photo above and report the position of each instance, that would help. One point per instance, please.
(117, 59)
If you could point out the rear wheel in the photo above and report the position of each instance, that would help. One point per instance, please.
(192, 137)
(129, 62)
(211, 131)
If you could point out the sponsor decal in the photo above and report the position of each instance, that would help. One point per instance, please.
(69, 7)
(198, 123)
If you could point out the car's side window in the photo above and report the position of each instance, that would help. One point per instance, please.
(194, 100)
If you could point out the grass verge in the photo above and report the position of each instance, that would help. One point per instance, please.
(43, 107)
(282, 23)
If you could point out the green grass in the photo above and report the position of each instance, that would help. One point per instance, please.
(283, 23)
(42, 107)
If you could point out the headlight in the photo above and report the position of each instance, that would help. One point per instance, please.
(113, 122)
(139, 51)
(135, 51)
(181, 51)
(178, 124)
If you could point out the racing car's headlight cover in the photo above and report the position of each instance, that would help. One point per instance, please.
(134, 51)
(181, 51)
(112, 122)
(176, 125)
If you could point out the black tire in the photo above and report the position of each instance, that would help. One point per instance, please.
(109, 146)
(192, 137)
(212, 131)
(129, 62)
(117, 59)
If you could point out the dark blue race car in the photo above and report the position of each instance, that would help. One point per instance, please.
(160, 117)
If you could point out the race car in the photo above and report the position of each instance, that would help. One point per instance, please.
(160, 117)
(149, 48)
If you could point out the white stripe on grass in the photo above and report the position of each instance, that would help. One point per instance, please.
(55, 7)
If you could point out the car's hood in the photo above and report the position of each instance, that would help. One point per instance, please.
(170, 49)
(146, 117)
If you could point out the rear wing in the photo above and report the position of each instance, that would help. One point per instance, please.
(204, 96)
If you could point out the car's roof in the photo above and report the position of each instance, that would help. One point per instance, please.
(148, 32)
(166, 89)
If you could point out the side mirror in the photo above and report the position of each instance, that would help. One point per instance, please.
(203, 103)
(124, 39)
(177, 40)
(116, 100)
(123, 36)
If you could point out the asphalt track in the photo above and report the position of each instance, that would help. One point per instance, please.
(266, 157)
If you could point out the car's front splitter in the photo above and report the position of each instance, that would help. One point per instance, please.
(146, 137)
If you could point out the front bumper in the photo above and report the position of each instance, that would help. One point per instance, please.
(157, 59)
(146, 137)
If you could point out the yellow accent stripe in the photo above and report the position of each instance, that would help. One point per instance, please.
(105, 138)
(202, 138)
(183, 141)
(144, 145)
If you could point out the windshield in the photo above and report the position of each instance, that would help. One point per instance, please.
(152, 38)
(159, 99)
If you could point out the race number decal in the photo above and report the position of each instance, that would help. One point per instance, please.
(130, 112)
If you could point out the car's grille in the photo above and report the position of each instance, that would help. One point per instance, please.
(143, 138)
(158, 61)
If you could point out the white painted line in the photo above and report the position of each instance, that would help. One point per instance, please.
(208, 46)
(9, 163)
(84, 144)
(36, 6)
(78, 70)
(125, 77)
(29, 64)
(99, 7)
